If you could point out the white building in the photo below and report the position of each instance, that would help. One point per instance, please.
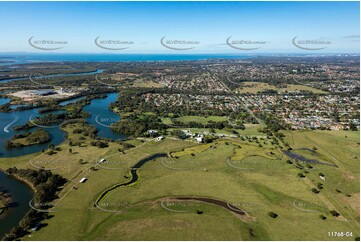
(159, 138)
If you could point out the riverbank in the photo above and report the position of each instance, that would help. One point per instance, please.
(41, 182)
(21, 192)
(5, 201)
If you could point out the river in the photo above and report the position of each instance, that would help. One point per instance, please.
(101, 117)
(21, 194)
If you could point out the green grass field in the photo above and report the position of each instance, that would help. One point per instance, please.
(202, 120)
(231, 170)
(254, 87)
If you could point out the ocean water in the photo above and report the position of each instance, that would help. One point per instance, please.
(18, 58)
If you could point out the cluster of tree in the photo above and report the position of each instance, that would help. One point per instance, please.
(272, 214)
(136, 125)
(86, 130)
(210, 124)
(273, 123)
(39, 136)
(5, 200)
(5, 108)
(99, 143)
(179, 134)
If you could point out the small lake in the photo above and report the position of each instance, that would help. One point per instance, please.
(16, 118)
(303, 159)
(21, 194)
(102, 117)
(4, 101)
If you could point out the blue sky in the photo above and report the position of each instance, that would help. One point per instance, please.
(208, 24)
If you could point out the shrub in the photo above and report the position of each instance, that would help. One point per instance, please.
(272, 214)
(314, 190)
(301, 175)
(199, 212)
(334, 213)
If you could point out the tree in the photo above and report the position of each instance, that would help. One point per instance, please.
(199, 212)
(334, 213)
(272, 214)
(314, 190)
(301, 175)
(319, 185)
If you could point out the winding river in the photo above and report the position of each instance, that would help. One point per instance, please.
(134, 175)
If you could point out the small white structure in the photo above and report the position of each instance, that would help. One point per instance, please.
(159, 138)
(83, 180)
(323, 178)
(102, 161)
(199, 139)
(152, 131)
(37, 226)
